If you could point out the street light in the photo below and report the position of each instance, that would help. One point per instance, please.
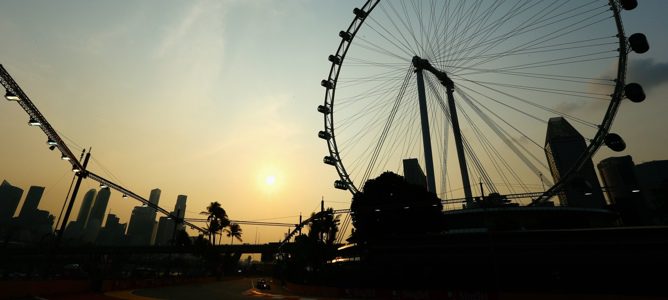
(11, 96)
(103, 186)
(34, 122)
(51, 142)
(64, 157)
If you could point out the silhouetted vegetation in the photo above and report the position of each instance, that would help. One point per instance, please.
(217, 220)
(233, 232)
(312, 250)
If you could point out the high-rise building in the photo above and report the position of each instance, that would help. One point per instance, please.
(623, 190)
(563, 147)
(653, 179)
(112, 233)
(32, 201)
(166, 226)
(165, 231)
(86, 206)
(140, 228)
(180, 206)
(155, 196)
(180, 209)
(10, 196)
(98, 209)
(413, 172)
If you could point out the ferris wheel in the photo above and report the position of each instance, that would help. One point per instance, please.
(468, 87)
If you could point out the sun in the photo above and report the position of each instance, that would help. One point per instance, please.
(270, 180)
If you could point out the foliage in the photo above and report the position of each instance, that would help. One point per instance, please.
(233, 231)
(216, 220)
(389, 205)
(324, 227)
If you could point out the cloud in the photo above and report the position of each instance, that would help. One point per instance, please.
(647, 72)
(181, 30)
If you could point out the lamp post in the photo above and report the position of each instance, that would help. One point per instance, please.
(80, 176)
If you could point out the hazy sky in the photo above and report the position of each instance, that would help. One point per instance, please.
(209, 98)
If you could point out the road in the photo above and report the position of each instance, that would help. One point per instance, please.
(233, 289)
(229, 289)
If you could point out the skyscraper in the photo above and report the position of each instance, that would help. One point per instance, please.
(32, 201)
(180, 209)
(10, 196)
(563, 146)
(140, 228)
(155, 196)
(653, 179)
(166, 226)
(165, 231)
(112, 233)
(86, 205)
(413, 172)
(623, 189)
(99, 206)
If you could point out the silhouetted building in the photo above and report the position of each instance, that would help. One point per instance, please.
(140, 228)
(563, 146)
(623, 190)
(180, 209)
(96, 216)
(74, 232)
(165, 231)
(653, 179)
(86, 206)
(413, 172)
(10, 196)
(32, 201)
(113, 232)
(155, 196)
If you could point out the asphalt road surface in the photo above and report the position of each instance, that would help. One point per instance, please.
(242, 288)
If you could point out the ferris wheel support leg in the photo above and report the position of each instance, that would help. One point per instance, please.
(426, 139)
(466, 183)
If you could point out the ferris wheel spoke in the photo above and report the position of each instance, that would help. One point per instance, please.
(535, 24)
(526, 156)
(514, 64)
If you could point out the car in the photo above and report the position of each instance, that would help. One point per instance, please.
(262, 284)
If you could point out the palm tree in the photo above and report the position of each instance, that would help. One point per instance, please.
(324, 226)
(217, 219)
(233, 231)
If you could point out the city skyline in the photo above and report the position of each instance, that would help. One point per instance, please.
(195, 100)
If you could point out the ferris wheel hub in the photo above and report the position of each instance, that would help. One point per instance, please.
(423, 64)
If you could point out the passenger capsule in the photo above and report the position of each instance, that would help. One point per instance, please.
(329, 160)
(629, 4)
(615, 142)
(634, 92)
(639, 43)
(346, 36)
(324, 109)
(359, 13)
(341, 185)
(324, 135)
(335, 59)
(327, 83)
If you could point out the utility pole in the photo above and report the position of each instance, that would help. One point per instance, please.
(299, 225)
(81, 175)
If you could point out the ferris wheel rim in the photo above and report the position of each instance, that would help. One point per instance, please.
(356, 24)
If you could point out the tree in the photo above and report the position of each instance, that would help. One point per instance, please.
(389, 205)
(216, 219)
(233, 231)
(324, 227)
